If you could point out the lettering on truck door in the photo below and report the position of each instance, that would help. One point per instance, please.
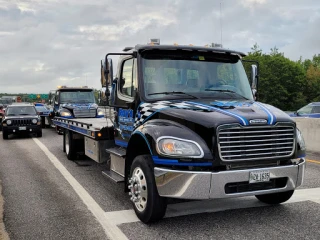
(126, 90)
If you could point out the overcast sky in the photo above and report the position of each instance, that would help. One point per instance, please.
(46, 43)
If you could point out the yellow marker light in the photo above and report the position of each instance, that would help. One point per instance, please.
(168, 146)
(190, 44)
(99, 134)
(92, 134)
(175, 44)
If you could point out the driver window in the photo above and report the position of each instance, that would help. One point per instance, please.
(56, 100)
(128, 80)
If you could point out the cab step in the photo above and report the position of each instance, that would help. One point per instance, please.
(118, 151)
(113, 176)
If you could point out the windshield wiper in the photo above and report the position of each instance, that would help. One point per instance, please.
(225, 90)
(173, 92)
(24, 114)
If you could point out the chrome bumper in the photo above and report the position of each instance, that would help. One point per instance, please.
(206, 185)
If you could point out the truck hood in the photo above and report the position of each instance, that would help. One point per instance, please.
(72, 106)
(209, 113)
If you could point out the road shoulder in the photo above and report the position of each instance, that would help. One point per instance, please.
(3, 234)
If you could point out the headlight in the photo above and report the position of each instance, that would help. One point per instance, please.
(179, 147)
(100, 112)
(65, 114)
(9, 122)
(34, 121)
(300, 140)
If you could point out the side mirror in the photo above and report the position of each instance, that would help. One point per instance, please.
(106, 72)
(254, 76)
(254, 80)
(102, 97)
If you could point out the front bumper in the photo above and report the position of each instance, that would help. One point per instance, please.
(208, 185)
(22, 129)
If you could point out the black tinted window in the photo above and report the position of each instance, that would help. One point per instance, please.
(21, 110)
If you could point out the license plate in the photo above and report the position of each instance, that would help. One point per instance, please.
(259, 176)
(22, 128)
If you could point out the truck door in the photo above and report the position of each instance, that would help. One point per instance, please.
(126, 91)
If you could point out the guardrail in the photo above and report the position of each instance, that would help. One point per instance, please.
(310, 128)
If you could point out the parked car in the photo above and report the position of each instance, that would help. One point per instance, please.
(312, 110)
(19, 119)
(44, 112)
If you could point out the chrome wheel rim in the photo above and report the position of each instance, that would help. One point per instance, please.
(138, 189)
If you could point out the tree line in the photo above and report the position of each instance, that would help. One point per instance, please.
(284, 83)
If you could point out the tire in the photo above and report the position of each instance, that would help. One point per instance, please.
(70, 146)
(43, 122)
(5, 134)
(39, 134)
(150, 207)
(275, 198)
(64, 141)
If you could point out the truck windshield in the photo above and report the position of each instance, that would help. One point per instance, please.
(18, 111)
(77, 97)
(200, 74)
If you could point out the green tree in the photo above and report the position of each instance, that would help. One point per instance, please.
(281, 81)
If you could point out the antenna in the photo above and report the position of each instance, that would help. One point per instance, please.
(221, 23)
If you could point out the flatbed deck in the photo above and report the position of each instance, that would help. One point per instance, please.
(86, 126)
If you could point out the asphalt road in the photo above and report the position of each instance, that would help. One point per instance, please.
(48, 197)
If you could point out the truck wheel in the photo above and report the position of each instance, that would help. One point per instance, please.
(275, 198)
(64, 141)
(147, 203)
(43, 122)
(5, 134)
(70, 146)
(39, 134)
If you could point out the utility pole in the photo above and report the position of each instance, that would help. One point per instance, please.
(221, 23)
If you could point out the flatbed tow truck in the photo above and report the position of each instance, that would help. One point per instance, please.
(183, 122)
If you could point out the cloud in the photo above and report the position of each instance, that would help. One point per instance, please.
(44, 43)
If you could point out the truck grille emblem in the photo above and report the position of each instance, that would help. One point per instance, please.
(258, 121)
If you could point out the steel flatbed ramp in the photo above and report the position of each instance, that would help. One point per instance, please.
(86, 126)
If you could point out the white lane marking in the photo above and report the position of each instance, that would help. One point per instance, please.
(112, 231)
(215, 205)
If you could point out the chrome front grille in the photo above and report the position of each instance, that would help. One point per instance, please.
(85, 113)
(239, 143)
(21, 122)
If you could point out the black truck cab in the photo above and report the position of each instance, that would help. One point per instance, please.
(188, 125)
(74, 102)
